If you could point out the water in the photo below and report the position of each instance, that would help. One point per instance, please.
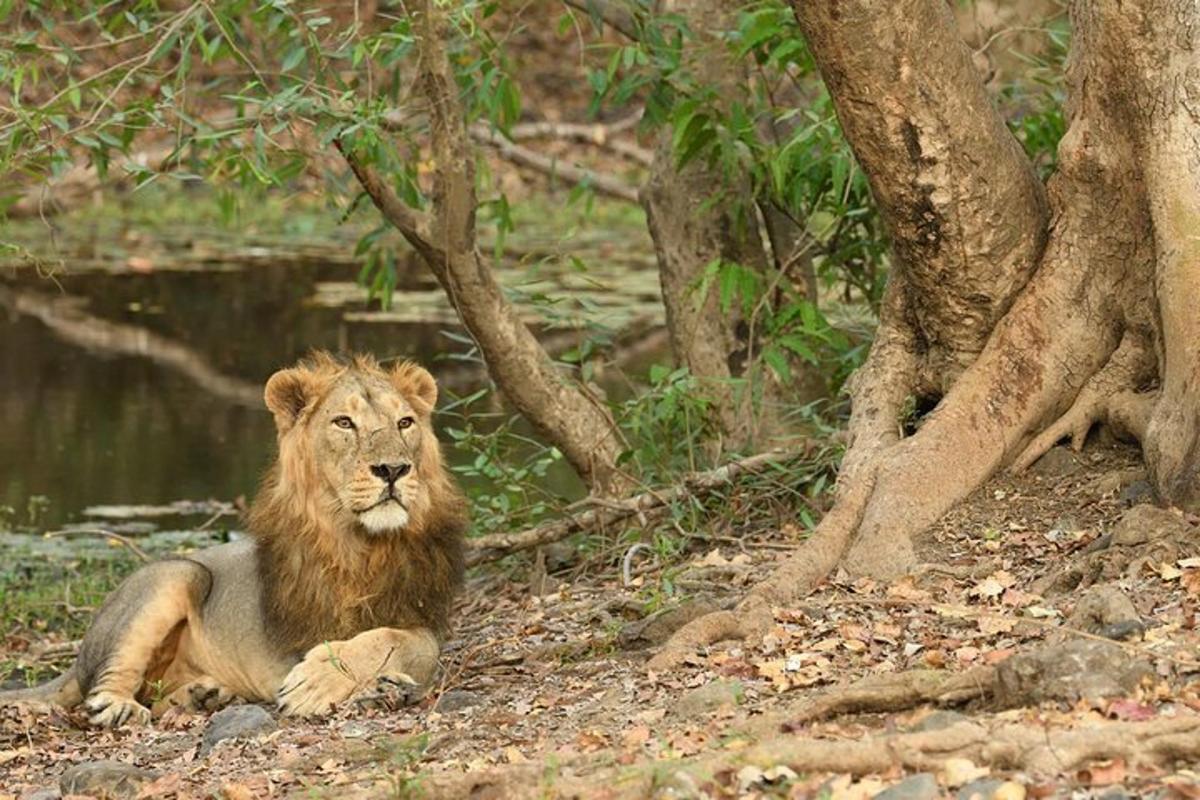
(145, 388)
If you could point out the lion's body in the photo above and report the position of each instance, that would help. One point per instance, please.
(348, 578)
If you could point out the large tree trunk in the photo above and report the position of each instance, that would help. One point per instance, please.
(563, 411)
(1029, 343)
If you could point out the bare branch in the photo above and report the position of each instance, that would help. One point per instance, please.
(414, 225)
(610, 13)
(523, 156)
(498, 545)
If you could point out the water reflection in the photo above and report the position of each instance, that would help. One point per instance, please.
(85, 422)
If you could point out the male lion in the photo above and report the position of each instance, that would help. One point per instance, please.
(347, 580)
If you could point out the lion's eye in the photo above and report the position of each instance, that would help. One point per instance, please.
(345, 423)
(405, 422)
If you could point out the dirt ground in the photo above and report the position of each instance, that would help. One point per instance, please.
(549, 696)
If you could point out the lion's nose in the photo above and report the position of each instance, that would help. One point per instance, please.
(390, 472)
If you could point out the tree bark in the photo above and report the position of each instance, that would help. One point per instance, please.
(697, 217)
(562, 411)
(1083, 330)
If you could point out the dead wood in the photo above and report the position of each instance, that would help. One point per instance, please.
(611, 512)
(557, 169)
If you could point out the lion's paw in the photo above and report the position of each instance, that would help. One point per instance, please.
(314, 686)
(111, 710)
(391, 692)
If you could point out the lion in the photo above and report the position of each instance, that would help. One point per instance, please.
(344, 585)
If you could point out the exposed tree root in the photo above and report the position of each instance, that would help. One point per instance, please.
(1110, 397)
(901, 691)
(1007, 746)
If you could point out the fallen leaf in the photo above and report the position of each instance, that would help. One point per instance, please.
(1104, 773)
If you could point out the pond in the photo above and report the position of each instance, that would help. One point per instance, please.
(140, 384)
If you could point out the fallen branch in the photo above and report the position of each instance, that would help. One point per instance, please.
(498, 545)
(115, 537)
(523, 156)
(877, 694)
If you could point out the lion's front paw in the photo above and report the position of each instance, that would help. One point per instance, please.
(391, 692)
(314, 686)
(111, 710)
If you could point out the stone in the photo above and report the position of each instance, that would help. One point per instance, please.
(111, 779)
(1105, 611)
(1058, 462)
(709, 697)
(1068, 672)
(921, 786)
(1137, 493)
(1146, 523)
(236, 722)
(456, 700)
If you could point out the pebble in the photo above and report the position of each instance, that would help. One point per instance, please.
(105, 779)
(236, 722)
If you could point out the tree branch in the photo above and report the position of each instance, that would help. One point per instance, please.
(498, 545)
(523, 156)
(608, 12)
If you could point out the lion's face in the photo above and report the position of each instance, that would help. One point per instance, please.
(358, 441)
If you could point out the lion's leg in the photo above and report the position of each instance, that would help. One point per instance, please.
(135, 637)
(335, 671)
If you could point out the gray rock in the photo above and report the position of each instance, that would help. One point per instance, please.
(709, 697)
(1146, 523)
(236, 722)
(1068, 672)
(1106, 611)
(106, 779)
(921, 786)
(982, 789)
(456, 700)
(1058, 462)
(1137, 493)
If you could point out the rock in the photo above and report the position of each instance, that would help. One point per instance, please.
(921, 786)
(939, 720)
(1145, 523)
(236, 722)
(709, 697)
(1137, 493)
(456, 700)
(1105, 611)
(1067, 672)
(982, 789)
(1112, 482)
(105, 779)
(1058, 462)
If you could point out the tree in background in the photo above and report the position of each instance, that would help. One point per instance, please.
(1020, 314)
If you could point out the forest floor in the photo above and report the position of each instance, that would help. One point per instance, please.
(545, 690)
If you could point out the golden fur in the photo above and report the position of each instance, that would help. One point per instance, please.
(355, 556)
(325, 582)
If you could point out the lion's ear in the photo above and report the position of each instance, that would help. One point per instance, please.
(414, 382)
(288, 392)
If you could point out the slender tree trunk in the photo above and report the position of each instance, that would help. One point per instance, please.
(1036, 342)
(697, 217)
(563, 411)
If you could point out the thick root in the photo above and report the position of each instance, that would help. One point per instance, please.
(1109, 397)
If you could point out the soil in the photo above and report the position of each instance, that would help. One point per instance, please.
(555, 680)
